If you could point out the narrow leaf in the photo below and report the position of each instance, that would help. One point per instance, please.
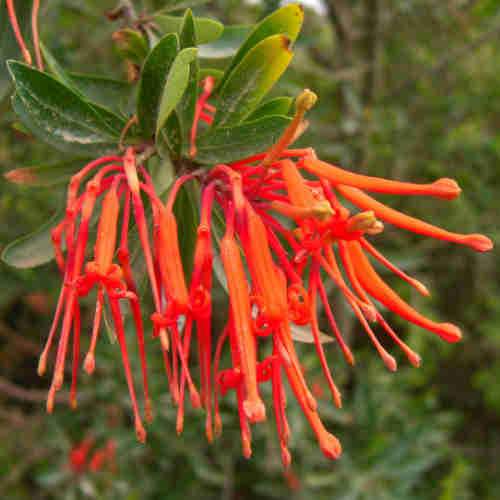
(169, 140)
(277, 106)
(113, 94)
(186, 211)
(153, 79)
(33, 249)
(252, 79)
(305, 335)
(56, 69)
(286, 21)
(228, 144)
(207, 30)
(187, 105)
(175, 86)
(57, 115)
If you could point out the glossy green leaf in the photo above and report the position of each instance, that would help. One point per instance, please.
(187, 105)
(186, 211)
(56, 69)
(33, 249)
(57, 115)
(153, 79)
(286, 21)
(8, 46)
(169, 140)
(252, 79)
(101, 92)
(227, 44)
(45, 175)
(228, 144)
(113, 94)
(171, 5)
(277, 106)
(175, 86)
(207, 30)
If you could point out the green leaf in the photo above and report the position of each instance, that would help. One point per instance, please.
(113, 94)
(252, 79)
(171, 5)
(131, 45)
(153, 79)
(45, 175)
(277, 106)
(285, 21)
(57, 115)
(33, 249)
(228, 144)
(187, 105)
(207, 30)
(8, 46)
(56, 69)
(175, 86)
(227, 44)
(169, 141)
(186, 211)
(101, 92)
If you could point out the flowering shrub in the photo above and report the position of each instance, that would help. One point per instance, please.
(275, 222)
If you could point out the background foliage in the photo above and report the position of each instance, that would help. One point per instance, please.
(408, 89)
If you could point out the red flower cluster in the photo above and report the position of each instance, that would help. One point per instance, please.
(284, 234)
(79, 460)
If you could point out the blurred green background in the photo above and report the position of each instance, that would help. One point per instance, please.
(409, 89)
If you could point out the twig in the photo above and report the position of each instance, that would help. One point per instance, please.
(27, 395)
(26, 345)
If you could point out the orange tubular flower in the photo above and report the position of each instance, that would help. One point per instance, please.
(477, 242)
(447, 189)
(241, 328)
(171, 263)
(380, 291)
(269, 287)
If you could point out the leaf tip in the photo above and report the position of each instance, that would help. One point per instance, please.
(286, 43)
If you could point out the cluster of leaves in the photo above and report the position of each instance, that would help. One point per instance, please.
(85, 115)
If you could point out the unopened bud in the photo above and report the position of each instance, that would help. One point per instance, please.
(305, 101)
(89, 363)
(247, 447)
(365, 222)
(42, 364)
(322, 209)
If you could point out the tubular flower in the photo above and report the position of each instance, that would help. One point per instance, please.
(285, 234)
(116, 182)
